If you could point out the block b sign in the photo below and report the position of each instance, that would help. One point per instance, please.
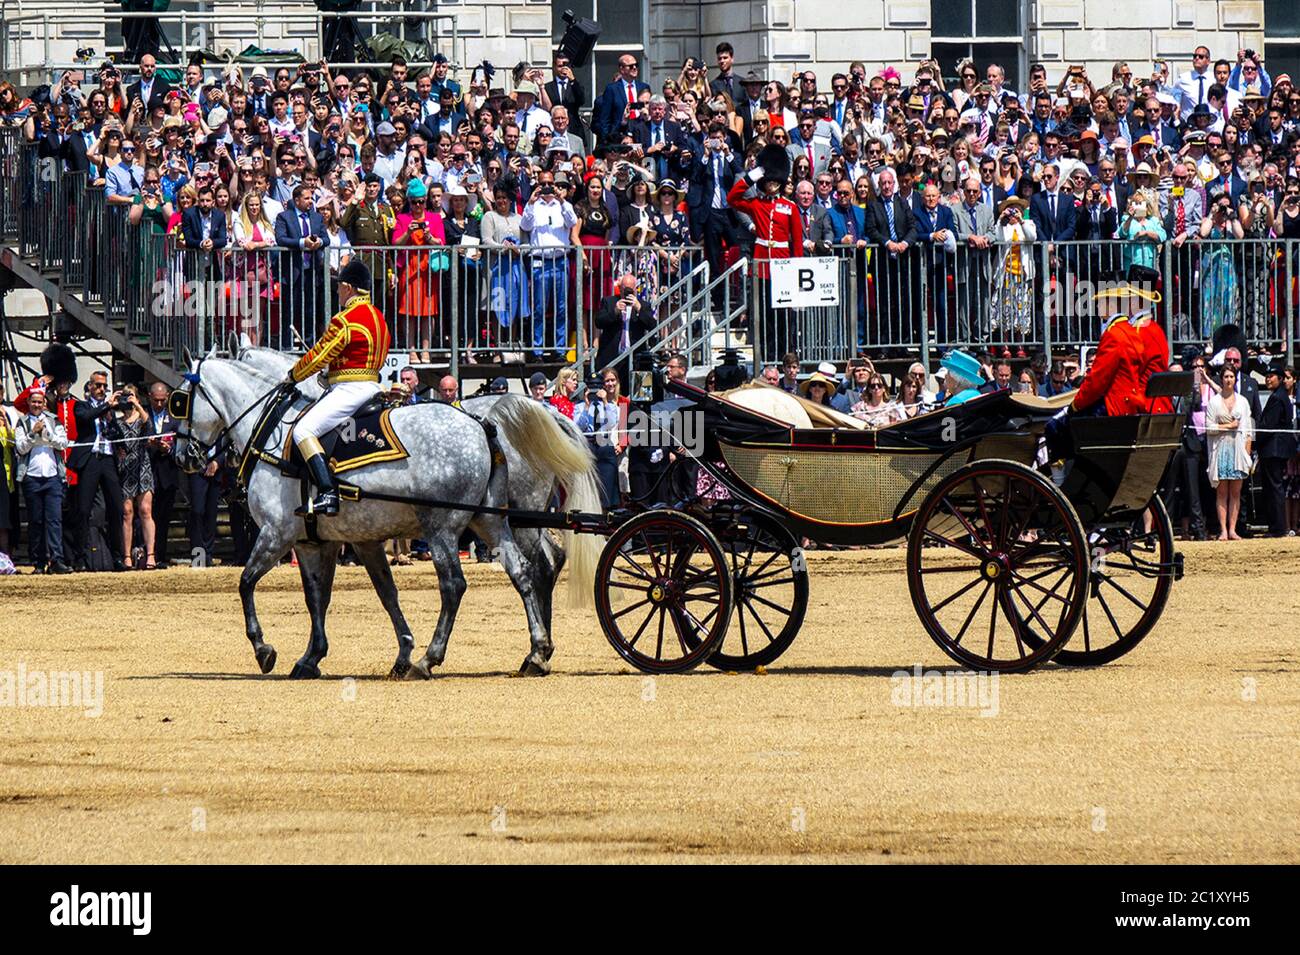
(805, 283)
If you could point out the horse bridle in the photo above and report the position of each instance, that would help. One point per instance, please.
(180, 405)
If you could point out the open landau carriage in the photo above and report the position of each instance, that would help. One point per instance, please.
(1005, 567)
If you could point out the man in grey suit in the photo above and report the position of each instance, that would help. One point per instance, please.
(976, 229)
(564, 134)
(818, 236)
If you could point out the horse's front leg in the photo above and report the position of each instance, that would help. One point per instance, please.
(381, 575)
(316, 563)
(267, 550)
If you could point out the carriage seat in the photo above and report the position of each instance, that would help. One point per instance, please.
(787, 408)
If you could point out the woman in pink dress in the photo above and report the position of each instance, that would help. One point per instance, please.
(417, 278)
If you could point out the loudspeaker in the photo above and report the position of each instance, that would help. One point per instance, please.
(578, 39)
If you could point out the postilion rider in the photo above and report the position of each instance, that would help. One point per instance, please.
(354, 348)
(1132, 349)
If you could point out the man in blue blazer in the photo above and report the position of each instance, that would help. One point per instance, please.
(618, 95)
(714, 168)
(662, 141)
(1052, 209)
(936, 231)
(203, 226)
(300, 235)
(849, 230)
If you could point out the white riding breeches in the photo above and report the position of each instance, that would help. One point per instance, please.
(338, 404)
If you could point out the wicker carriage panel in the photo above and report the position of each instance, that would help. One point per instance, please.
(835, 487)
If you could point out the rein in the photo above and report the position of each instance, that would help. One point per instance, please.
(209, 447)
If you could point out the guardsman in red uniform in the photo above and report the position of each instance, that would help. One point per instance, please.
(778, 234)
(1133, 348)
(354, 348)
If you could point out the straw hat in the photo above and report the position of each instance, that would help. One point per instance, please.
(817, 378)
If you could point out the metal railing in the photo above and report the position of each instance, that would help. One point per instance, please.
(23, 32)
(506, 303)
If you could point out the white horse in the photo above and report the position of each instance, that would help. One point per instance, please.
(528, 489)
(451, 460)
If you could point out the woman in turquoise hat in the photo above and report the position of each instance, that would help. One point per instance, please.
(963, 379)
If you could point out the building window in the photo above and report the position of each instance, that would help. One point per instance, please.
(986, 31)
(622, 30)
(1281, 37)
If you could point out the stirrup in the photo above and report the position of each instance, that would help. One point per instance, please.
(326, 503)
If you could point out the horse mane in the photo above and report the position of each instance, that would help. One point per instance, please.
(255, 373)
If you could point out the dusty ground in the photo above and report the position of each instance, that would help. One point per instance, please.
(1160, 757)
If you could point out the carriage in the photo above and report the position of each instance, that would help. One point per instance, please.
(1009, 557)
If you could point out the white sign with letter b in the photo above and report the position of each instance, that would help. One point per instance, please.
(805, 282)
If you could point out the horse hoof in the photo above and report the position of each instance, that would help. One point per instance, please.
(417, 671)
(400, 669)
(266, 657)
(531, 667)
(303, 671)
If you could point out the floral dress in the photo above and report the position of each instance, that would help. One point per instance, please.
(1218, 285)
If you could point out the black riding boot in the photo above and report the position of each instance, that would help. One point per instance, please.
(327, 500)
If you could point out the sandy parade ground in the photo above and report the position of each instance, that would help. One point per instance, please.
(1183, 751)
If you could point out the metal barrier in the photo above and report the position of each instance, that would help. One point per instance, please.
(491, 304)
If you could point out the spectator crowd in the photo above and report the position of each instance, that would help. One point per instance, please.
(507, 211)
(962, 203)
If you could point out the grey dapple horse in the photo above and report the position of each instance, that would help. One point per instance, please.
(527, 490)
(451, 460)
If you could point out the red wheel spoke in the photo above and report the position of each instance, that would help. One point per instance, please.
(659, 644)
(771, 583)
(641, 629)
(628, 609)
(740, 619)
(620, 585)
(1107, 579)
(1114, 624)
(1048, 632)
(1009, 609)
(949, 599)
(1039, 587)
(768, 603)
(771, 638)
(650, 552)
(971, 616)
(954, 544)
(635, 568)
(970, 529)
(984, 513)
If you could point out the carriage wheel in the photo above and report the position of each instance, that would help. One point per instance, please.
(1132, 574)
(663, 592)
(993, 545)
(769, 581)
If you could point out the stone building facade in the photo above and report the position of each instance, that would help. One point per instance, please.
(774, 37)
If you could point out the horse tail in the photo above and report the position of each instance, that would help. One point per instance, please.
(550, 448)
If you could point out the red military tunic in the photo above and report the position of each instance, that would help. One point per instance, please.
(1127, 356)
(778, 227)
(354, 346)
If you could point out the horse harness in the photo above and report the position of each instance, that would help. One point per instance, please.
(180, 405)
